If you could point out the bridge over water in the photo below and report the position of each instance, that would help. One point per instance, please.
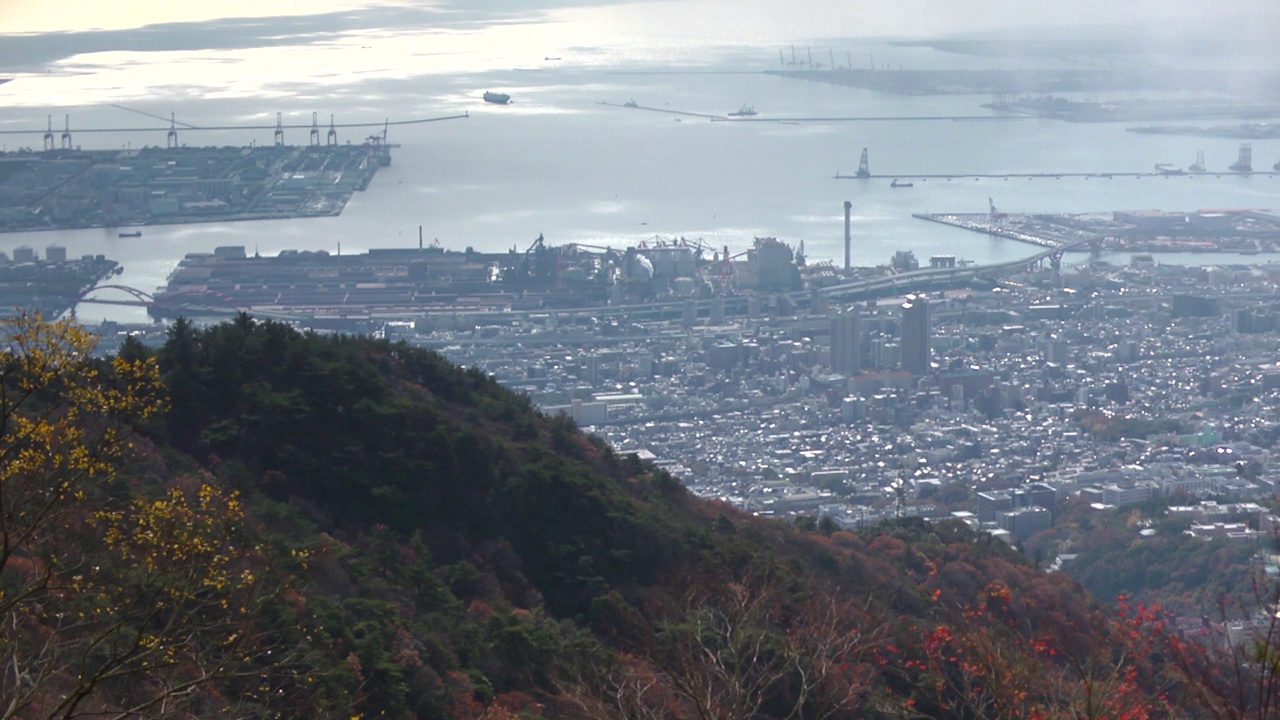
(852, 291)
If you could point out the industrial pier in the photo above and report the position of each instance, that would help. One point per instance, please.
(401, 282)
(51, 285)
(67, 188)
(1247, 232)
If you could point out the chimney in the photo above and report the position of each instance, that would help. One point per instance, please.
(848, 238)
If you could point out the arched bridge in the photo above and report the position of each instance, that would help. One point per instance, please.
(140, 298)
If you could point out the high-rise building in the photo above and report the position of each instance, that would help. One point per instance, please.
(915, 334)
(846, 343)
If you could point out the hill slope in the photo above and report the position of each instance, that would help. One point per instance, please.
(416, 541)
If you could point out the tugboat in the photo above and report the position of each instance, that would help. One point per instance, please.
(896, 183)
(1198, 165)
(744, 111)
(497, 98)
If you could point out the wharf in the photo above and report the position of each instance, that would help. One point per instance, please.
(1247, 232)
(856, 118)
(50, 287)
(984, 224)
(1048, 175)
(63, 189)
(661, 110)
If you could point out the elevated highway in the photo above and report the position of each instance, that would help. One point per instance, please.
(852, 291)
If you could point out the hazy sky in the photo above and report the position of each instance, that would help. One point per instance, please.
(753, 20)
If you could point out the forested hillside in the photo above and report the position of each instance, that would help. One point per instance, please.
(255, 522)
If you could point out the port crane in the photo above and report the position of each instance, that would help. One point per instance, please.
(173, 125)
(995, 218)
(726, 269)
(864, 165)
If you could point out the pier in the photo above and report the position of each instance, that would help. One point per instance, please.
(1048, 175)
(856, 118)
(876, 118)
(1248, 232)
(661, 110)
(66, 189)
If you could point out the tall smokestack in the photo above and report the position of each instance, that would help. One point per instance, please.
(848, 237)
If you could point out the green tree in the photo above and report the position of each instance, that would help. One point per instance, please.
(111, 603)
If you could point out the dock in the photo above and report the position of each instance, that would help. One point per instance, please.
(1047, 175)
(877, 118)
(65, 189)
(632, 106)
(1247, 232)
(855, 118)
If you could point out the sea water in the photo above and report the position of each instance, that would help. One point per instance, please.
(557, 162)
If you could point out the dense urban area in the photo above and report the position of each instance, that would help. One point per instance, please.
(757, 380)
(1120, 383)
(330, 470)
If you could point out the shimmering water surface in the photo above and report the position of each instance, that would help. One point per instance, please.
(557, 161)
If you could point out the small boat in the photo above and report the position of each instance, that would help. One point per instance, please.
(744, 111)
(550, 58)
(135, 233)
(497, 98)
(1168, 169)
(898, 183)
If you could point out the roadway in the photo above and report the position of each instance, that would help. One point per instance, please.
(884, 286)
(185, 128)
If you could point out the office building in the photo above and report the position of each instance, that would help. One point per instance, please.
(915, 335)
(846, 343)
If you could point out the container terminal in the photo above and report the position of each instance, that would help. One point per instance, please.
(70, 188)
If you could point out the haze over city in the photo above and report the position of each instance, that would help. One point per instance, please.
(530, 359)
